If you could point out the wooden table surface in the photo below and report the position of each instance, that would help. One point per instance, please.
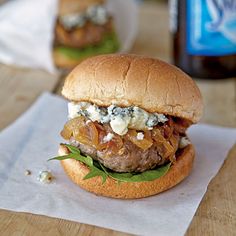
(216, 214)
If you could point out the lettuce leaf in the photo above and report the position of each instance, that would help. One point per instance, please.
(109, 44)
(97, 169)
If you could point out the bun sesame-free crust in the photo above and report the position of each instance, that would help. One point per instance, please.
(129, 190)
(127, 80)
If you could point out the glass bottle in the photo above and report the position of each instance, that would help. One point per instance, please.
(204, 37)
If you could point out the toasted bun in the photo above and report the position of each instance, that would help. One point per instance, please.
(128, 190)
(126, 80)
(76, 6)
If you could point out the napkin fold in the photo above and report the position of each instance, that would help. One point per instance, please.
(34, 137)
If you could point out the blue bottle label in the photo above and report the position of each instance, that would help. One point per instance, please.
(211, 27)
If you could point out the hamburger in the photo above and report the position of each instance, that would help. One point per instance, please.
(83, 29)
(126, 132)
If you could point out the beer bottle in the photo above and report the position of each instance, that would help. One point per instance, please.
(204, 37)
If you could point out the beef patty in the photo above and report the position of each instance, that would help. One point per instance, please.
(90, 34)
(132, 159)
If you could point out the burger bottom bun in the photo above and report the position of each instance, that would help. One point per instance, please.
(129, 190)
(64, 62)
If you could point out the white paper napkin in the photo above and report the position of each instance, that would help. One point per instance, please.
(26, 33)
(34, 137)
(27, 30)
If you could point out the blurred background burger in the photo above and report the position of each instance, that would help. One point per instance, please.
(83, 28)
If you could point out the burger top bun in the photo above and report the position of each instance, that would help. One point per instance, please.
(126, 80)
(76, 6)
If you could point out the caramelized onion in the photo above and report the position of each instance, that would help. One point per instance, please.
(87, 134)
(114, 146)
(164, 137)
(174, 140)
(164, 148)
(101, 144)
(82, 131)
(70, 126)
(144, 144)
(180, 125)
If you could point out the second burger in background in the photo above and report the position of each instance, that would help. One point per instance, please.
(83, 29)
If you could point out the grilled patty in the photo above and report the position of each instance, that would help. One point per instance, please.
(132, 159)
(90, 34)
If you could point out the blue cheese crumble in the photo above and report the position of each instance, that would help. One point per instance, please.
(96, 14)
(45, 177)
(73, 20)
(183, 142)
(108, 138)
(140, 136)
(119, 118)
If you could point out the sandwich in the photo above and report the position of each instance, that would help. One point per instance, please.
(126, 131)
(83, 29)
